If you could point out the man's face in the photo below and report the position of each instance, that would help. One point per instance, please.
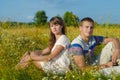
(86, 29)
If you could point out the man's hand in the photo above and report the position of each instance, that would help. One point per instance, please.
(115, 56)
(108, 64)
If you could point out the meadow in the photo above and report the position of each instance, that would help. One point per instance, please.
(14, 42)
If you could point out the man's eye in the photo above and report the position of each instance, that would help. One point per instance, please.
(92, 27)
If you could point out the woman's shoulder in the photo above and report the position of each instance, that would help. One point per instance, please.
(63, 38)
(63, 35)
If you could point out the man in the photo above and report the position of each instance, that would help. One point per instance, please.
(82, 48)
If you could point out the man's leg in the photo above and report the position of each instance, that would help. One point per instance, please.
(106, 53)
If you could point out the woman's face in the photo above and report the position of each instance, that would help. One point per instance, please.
(56, 29)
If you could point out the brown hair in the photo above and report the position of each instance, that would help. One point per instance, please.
(86, 19)
(55, 20)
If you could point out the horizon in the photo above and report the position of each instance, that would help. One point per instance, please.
(24, 10)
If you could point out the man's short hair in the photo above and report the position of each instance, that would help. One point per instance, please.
(86, 19)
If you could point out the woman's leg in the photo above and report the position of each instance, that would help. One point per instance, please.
(24, 62)
(28, 55)
(25, 57)
(37, 64)
(106, 53)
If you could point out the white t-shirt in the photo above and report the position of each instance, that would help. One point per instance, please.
(60, 63)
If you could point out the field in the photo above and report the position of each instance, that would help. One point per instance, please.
(14, 42)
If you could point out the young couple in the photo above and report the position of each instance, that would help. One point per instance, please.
(55, 58)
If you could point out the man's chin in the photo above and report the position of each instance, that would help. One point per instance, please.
(89, 35)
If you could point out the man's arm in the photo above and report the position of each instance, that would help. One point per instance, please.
(116, 44)
(79, 60)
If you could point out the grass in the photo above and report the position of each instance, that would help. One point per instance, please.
(14, 42)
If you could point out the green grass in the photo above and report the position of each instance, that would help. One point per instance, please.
(14, 42)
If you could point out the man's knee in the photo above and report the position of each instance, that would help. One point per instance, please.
(109, 47)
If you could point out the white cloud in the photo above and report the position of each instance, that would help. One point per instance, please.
(30, 17)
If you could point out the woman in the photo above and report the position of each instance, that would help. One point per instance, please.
(55, 57)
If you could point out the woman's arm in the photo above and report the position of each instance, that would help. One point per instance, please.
(52, 55)
(40, 52)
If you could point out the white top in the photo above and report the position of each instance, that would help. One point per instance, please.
(60, 63)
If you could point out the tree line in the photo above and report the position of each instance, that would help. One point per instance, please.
(69, 18)
(40, 19)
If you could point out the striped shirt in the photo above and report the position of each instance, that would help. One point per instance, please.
(79, 47)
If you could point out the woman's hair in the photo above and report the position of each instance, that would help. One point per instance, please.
(55, 20)
(86, 19)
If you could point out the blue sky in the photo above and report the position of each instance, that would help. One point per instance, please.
(101, 11)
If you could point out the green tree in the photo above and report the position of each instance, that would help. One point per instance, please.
(70, 19)
(40, 18)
